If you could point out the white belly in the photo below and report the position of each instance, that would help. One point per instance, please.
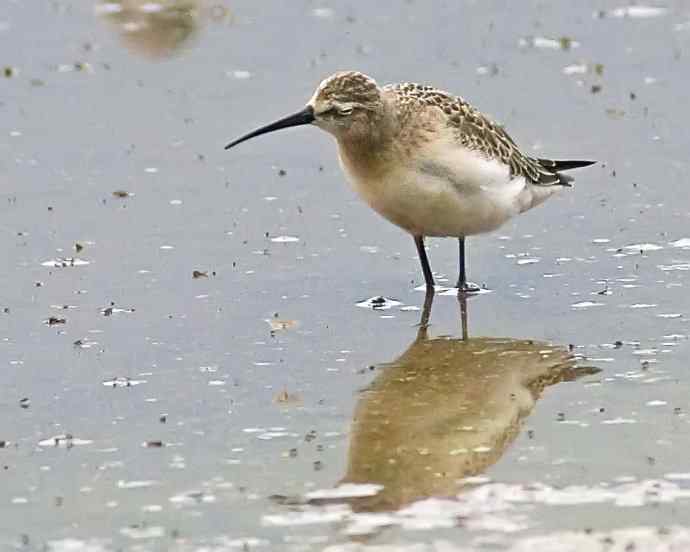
(460, 196)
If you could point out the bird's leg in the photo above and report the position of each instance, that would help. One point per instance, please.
(462, 277)
(426, 269)
(462, 285)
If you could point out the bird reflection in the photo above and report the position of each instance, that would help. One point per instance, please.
(155, 29)
(446, 409)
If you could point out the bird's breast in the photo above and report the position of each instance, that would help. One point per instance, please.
(439, 193)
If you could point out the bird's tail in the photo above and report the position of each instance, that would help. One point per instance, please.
(558, 166)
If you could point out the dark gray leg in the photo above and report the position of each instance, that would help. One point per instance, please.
(426, 269)
(462, 278)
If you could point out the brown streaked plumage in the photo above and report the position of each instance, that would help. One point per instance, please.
(426, 160)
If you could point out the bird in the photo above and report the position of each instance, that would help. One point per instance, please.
(427, 160)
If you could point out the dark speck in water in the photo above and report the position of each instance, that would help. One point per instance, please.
(53, 320)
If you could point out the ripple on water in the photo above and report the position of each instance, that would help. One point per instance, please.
(346, 490)
(492, 506)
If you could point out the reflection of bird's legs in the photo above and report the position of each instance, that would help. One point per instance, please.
(426, 312)
(462, 299)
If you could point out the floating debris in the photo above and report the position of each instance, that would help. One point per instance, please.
(143, 531)
(287, 398)
(66, 440)
(239, 74)
(196, 274)
(576, 69)
(121, 194)
(285, 239)
(135, 484)
(54, 320)
(638, 12)
(379, 303)
(270, 435)
(280, 324)
(84, 343)
(112, 309)
(618, 421)
(64, 262)
(562, 43)
(192, 498)
(122, 381)
(323, 13)
(586, 304)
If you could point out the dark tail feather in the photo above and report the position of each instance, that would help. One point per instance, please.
(558, 166)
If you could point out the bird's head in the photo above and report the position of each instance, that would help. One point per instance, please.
(347, 104)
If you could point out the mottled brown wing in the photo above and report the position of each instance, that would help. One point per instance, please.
(477, 132)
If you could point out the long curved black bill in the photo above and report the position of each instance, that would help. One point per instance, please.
(303, 117)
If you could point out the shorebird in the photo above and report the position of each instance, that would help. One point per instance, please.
(426, 160)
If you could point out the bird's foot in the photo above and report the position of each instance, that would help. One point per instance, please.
(468, 288)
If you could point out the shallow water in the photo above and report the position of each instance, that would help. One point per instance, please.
(190, 357)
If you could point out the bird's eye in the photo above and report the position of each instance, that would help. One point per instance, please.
(344, 111)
